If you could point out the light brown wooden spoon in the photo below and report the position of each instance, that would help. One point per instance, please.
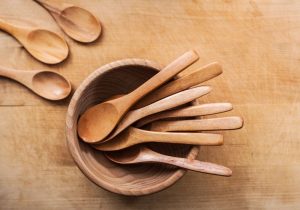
(222, 123)
(97, 122)
(76, 22)
(191, 111)
(142, 154)
(132, 136)
(47, 84)
(44, 45)
(170, 102)
(205, 73)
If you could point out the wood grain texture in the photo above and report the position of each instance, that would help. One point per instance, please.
(256, 42)
(47, 84)
(44, 45)
(189, 111)
(118, 78)
(132, 136)
(141, 154)
(221, 123)
(98, 121)
(178, 99)
(78, 23)
(200, 75)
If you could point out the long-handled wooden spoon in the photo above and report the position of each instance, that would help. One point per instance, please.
(205, 73)
(191, 111)
(132, 136)
(170, 102)
(142, 154)
(222, 123)
(97, 122)
(44, 45)
(75, 21)
(47, 84)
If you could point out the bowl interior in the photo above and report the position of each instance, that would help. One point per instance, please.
(116, 78)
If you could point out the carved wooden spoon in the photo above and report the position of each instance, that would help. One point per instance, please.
(44, 45)
(170, 102)
(75, 21)
(47, 84)
(222, 123)
(132, 136)
(97, 122)
(142, 154)
(191, 111)
(205, 73)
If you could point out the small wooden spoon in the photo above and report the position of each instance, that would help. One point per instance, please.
(191, 111)
(132, 136)
(142, 154)
(47, 84)
(97, 122)
(205, 73)
(44, 45)
(170, 102)
(222, 123)
(76, 22)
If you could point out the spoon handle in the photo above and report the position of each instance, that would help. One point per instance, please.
(205, 73)
(222, 123)
(177, 138)
(133, 136)
(53, 6)
(191, 111)
(163, 76)
(194, 165)
(161, 105)
(7, 27)
(21, 76)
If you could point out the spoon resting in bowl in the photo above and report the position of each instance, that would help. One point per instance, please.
(97, 122)
(143, 154)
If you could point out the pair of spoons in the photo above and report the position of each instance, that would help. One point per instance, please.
(47, 46)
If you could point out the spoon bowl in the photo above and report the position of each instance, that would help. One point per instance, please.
(51, 85)
(120, 77)
(47, 84)
(46, 46)
(86, 28)
(76, 22)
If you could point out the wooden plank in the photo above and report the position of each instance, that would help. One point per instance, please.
(257, 44)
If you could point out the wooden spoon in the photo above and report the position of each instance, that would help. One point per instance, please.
(142, 154)
(132, 136)
(44, 45)
(205, 73)
(98, 121)
(47, 84)
(222, 123)
(191, 111)
(76, 22)
(170, 102)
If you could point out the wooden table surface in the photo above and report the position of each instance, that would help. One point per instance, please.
(258, 45)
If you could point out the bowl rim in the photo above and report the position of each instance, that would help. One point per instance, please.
(73, 145)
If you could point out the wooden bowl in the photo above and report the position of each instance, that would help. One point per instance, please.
(119, 77)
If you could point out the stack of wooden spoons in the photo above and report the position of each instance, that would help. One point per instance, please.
(160, 110)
